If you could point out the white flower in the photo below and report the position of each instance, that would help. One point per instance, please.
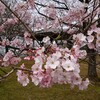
(29, 41)
(35, 80)
(90, 38)
(26, 34)
(77, 69)
(77, 80)
(40, 50)
(52, 62)
(82, 54)
(38, 60)
(36, 68)
(90, 32)
(57, 55)
(84, 84)
(8, 55)
(57, 75)
(22, 78)
(46, 40)
(80, 36)
(68, 65)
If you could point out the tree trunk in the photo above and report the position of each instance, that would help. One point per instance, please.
(92, 73)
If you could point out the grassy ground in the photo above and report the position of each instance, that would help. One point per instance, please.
(10, 89)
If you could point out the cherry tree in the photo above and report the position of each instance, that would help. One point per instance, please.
(55, 34)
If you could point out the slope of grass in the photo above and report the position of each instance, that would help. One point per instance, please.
(10, 89)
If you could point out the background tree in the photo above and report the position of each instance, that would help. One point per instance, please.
(75, 24)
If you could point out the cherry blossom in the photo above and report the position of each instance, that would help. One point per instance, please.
(22, 78)
(82, 54)
(71, 22)
(15, 60)
(35, 80)
(5, 42)
(26, 34)
(80, 36)
(52, 62)
(46, 40)
(90, 38)
(47, 79)
(36, 68)
(84, 84)
(8, 56)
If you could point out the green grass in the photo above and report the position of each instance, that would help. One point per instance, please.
(10, 89)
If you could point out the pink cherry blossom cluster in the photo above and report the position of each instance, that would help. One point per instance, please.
(7, 22)
(10, 59)
(58, 65)
(28, 40)
(17, 43)
(5, 42)
(89, 39)
(74, 16)
(52, 63)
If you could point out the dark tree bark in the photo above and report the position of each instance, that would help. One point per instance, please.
(92, 73)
